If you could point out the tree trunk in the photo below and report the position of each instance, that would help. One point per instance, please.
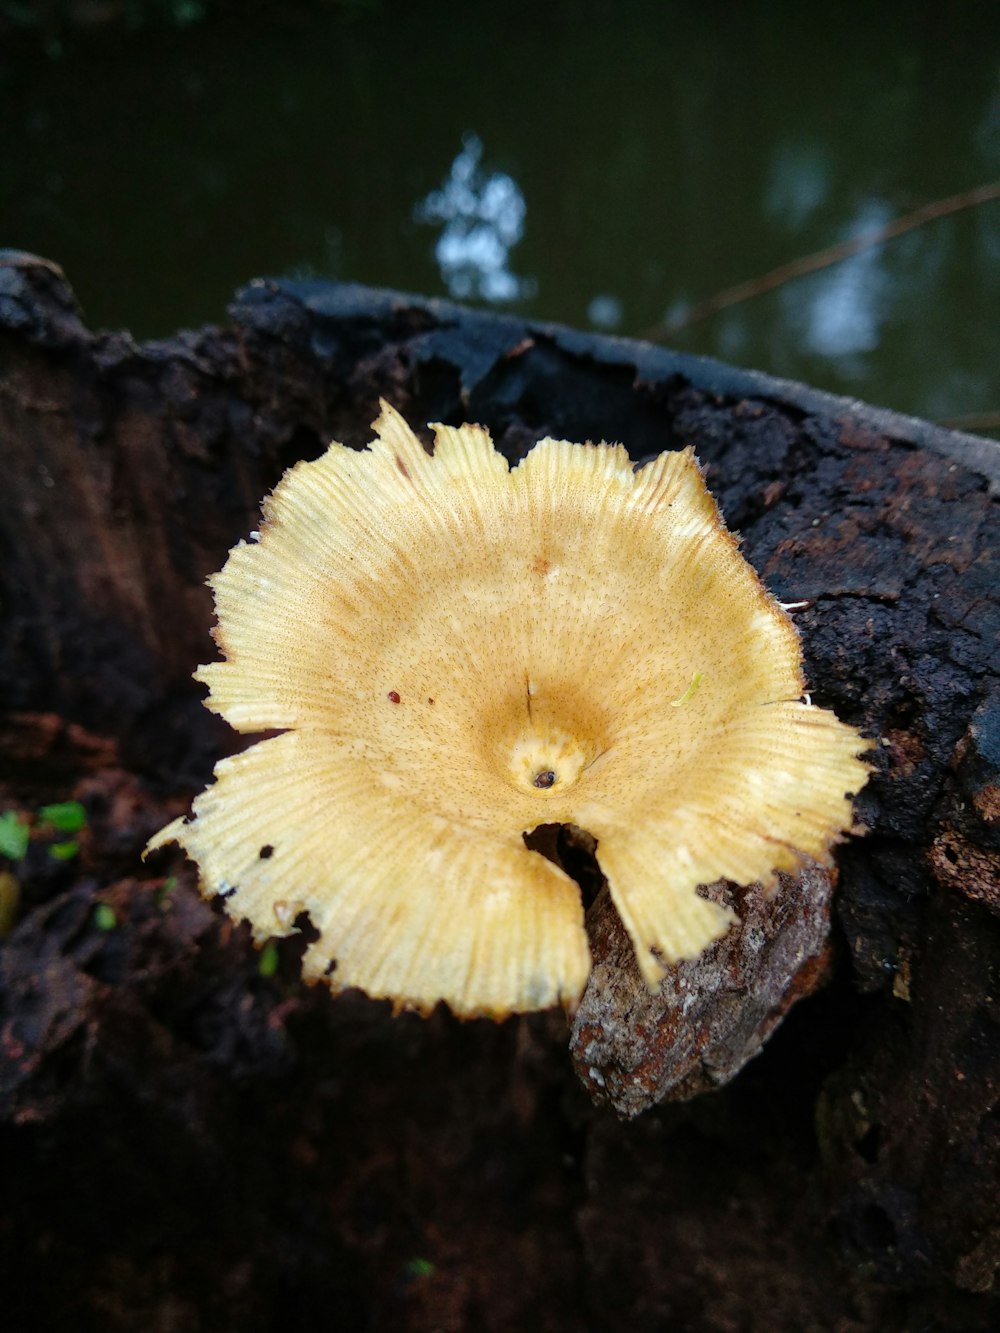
(190, 1142)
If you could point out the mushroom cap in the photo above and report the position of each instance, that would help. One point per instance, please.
(456, 652)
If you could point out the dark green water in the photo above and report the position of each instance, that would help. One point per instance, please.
(632, 158)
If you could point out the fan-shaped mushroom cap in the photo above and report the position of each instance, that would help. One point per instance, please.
(458, 652)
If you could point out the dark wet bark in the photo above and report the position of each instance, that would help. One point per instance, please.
(189, 1144)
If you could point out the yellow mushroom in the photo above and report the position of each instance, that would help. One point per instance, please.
(457, 652)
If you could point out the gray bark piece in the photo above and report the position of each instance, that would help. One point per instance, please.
(633, 1047)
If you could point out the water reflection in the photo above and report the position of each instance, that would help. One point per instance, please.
(843, 317)
(654, 181)
(481, 216)
(605, 312)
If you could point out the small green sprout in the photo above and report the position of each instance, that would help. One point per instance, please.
(268, 964)
(67, 817)
(64, 816)
(418, 1268)
(14, 835)
(695, 682)
(64, 851)
(165, 890)
(104, 917)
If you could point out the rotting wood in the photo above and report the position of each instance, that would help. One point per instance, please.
(130, 470)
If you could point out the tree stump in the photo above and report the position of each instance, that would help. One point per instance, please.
(190, 1142)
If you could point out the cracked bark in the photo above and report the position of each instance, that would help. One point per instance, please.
(872, 1118)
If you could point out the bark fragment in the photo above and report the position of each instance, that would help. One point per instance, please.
(632, 1047)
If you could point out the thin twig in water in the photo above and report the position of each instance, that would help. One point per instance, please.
(832, 254)
(972, 421)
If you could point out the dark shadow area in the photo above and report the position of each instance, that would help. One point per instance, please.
(573, 850)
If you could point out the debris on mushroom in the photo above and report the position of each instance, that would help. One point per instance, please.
(457, 652)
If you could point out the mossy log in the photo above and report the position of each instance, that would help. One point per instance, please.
(188, 1140)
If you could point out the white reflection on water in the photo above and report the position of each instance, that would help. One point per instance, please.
(482, 218)
(848, 306)
(605, 311)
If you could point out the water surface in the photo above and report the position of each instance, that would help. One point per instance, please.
(605, 165)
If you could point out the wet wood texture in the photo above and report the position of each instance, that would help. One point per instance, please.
(190, 1144)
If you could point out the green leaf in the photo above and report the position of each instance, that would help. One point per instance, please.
(418, 1268)
(165, 890)
(64, 816)
(14, 834)
(64, 851)
(268, 964)
(104, 917)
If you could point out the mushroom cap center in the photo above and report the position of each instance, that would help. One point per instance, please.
(545, 760)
